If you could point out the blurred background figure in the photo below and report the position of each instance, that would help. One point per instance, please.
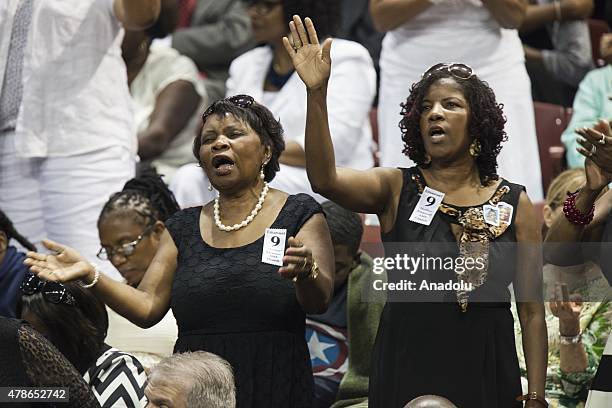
(75, 321)
(340, 340)
(266, 73)
(480, 34)
(557, 46)
(130, 226)
(27, 359)
(12, 269)
(192, 380)
(67, 138)
(592, 101)
(218, 32)
(167, 92)
(579, 322)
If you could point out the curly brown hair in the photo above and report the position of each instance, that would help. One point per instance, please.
(486, 121)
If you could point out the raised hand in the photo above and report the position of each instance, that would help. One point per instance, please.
(311, 60)
(63, 265)
(596, 146)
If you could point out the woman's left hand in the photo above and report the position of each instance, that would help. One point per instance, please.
(297, 260)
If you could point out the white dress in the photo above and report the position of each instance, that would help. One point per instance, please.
(460, 31)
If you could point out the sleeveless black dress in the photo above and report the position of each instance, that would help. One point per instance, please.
(433, 347)
(227, 302)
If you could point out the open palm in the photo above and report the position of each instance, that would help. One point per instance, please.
(311, 60)
(64, 265)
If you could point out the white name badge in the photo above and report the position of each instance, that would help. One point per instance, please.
(274, 246)
(427, 206)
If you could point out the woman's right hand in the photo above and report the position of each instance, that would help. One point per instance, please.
(63, 265)
(311, 60)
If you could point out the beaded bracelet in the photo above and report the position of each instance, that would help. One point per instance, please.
(573, 214)
(95, 279)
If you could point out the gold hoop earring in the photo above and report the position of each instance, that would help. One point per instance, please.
(475, 148)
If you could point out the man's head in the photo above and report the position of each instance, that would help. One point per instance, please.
(346, 230)
(430, 401)
(195, 380)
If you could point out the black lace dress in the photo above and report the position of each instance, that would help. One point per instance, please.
(227, 302)
(430, 344)
(27, 359)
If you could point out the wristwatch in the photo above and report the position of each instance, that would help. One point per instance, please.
(533, 396)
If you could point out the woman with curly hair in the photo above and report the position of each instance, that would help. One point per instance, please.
(454, 337)
(239, 272)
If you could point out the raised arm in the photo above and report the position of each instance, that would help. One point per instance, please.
(390, 14)
(528, 291)
(563, 238)
(136, 15)
(144, 306)
(565, 10)
(508, 13)
(371, 191)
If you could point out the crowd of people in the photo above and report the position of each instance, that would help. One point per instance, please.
(184, 187)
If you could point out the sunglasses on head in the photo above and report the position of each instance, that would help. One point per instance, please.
(53, 292)
(459, 71)
(242, 101)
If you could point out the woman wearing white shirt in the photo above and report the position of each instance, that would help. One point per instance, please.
(67, 138)
(479, 33)
(266, 73)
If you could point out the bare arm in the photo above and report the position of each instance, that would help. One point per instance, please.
(313, 244)
(541, 14)
(174, 107)
(293, 155)
(136, 15)
(144, 306)
(528, 291)
(573, 357)
(370, 191)
(563, 238)
(390, 14)
(508, 13)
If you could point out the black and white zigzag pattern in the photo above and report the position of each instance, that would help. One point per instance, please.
(117, 380)
(600, 395)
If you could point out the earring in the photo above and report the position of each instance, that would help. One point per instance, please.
(261, 172)
(475, 148)
(427, 159)
(210, 187)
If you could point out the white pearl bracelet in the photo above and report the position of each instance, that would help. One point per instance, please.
(95, 279)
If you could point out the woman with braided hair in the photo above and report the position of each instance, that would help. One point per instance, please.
(130, 227)
(12, 269)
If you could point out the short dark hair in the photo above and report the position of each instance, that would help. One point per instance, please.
(166, 22)
(326, 14)
(260, 119)
(78, 331)
(146, 197)
(345, 227)
(486, 122)
(6, 226)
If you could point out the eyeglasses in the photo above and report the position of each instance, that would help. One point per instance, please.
(264, 7)
(460, 71)
(126, 249)
(53, 292)
(242, 101)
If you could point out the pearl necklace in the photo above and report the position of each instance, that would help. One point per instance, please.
(247, 220)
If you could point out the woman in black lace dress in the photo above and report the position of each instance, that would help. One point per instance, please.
(27, 359)
(217, 266)
(453, 342)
